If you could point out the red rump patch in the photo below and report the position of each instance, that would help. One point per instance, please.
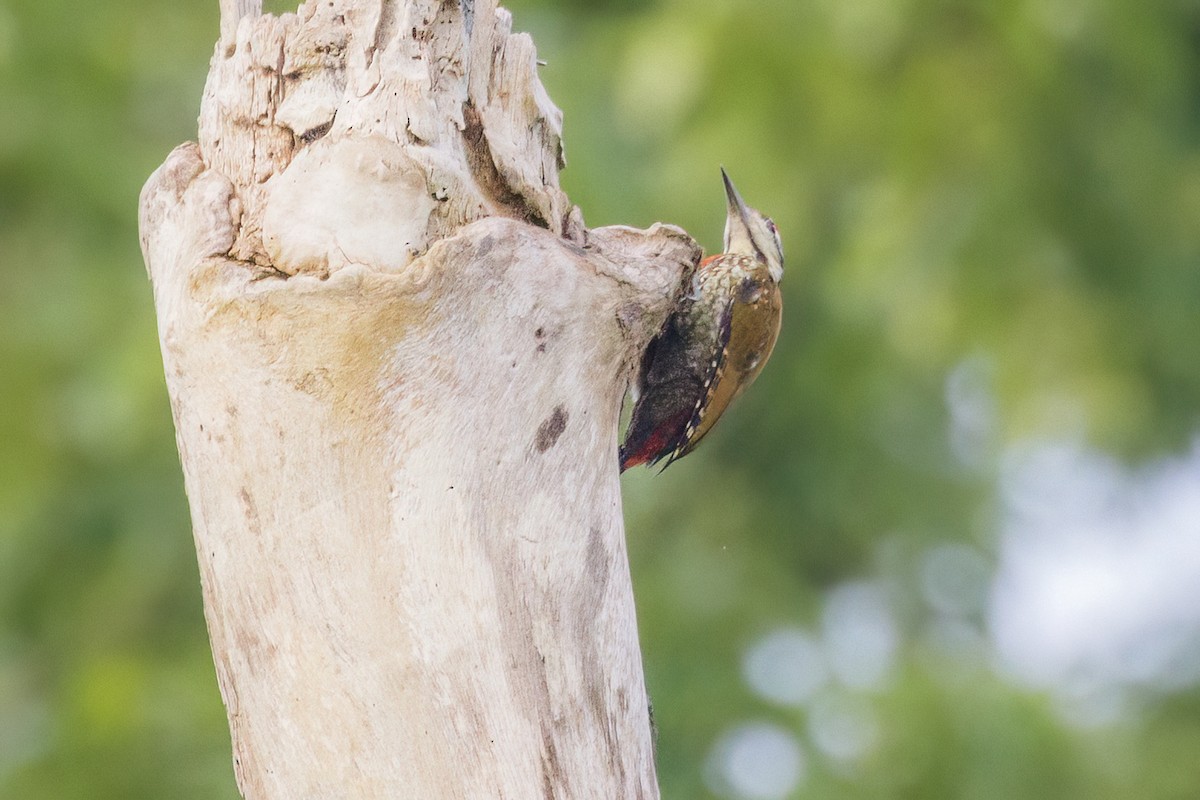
(658, 444)
(710, 259)
(645, 454)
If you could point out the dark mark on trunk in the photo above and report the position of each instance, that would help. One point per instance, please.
(549, 431)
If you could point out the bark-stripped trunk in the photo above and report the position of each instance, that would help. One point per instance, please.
(396, 358)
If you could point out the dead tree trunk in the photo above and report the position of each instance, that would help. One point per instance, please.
(396, 358)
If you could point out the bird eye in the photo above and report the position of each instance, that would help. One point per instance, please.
(775, 233)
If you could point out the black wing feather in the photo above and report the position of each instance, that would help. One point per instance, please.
(680, 369)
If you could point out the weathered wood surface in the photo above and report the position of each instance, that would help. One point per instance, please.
(396, 357)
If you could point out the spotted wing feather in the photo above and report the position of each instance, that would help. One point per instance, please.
(678, 376)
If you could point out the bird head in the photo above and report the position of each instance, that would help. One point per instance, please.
(749, 233)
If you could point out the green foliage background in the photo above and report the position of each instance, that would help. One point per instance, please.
(1012, 184)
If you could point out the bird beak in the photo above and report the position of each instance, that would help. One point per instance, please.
(737, 220)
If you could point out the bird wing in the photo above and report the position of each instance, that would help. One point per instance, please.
(714, 394)
(675, 378)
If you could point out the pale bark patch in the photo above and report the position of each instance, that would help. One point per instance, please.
(396, 358)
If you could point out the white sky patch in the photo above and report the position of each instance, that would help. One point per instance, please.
(843, 727)
(856, 647)
(953, 649)
(860, 635)
(756, 761)
(954, 578)
(787, 666)
(1098, 585)
(972, 407)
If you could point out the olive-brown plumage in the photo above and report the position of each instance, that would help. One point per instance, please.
(714, 344)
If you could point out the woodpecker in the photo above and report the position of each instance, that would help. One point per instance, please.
(713, 345)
